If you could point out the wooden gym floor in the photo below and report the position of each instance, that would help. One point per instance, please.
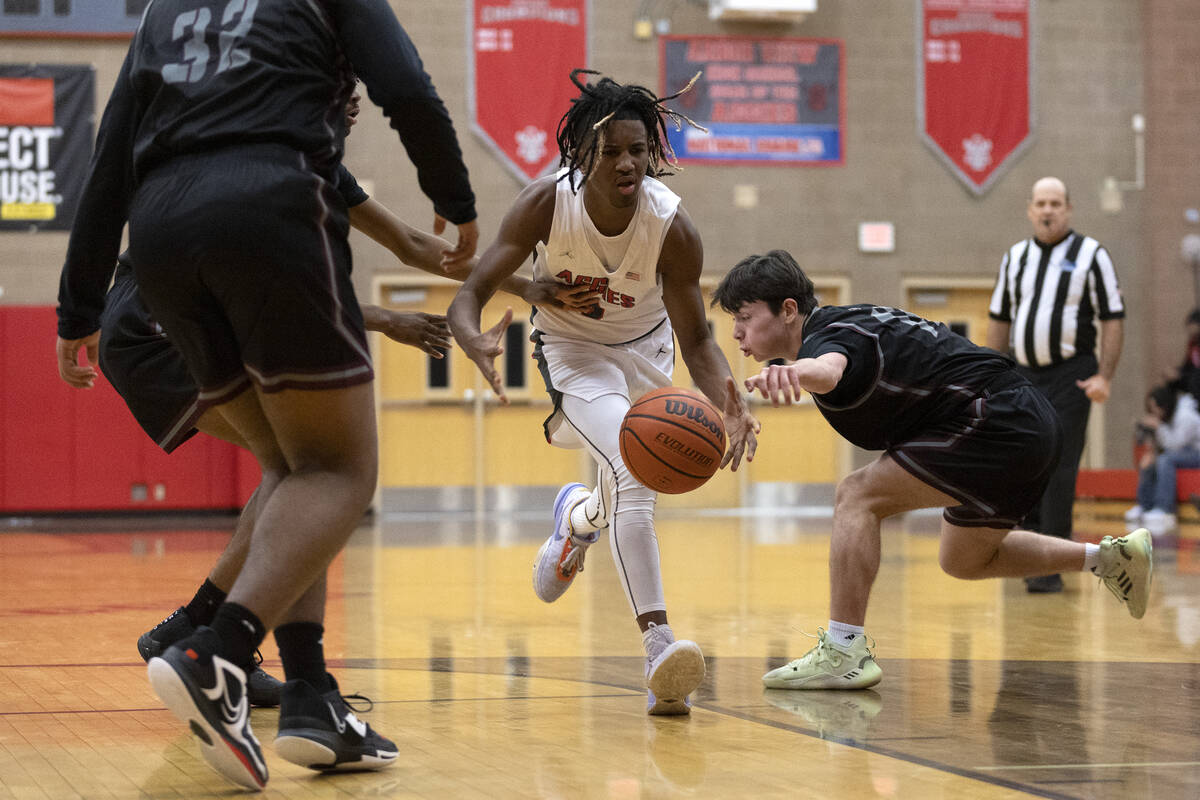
(988, 692)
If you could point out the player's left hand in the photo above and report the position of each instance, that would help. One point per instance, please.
(429, 333)
(81, 376)
(741, 428)
(1096, 388)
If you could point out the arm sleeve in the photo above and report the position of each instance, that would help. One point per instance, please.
(1103, 275)
(1000, 308)
(388, 64)
(95, 239)
(348, 187)
(862, 367)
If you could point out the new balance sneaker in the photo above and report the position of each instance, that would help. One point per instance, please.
(261, 688)
(208, 693)
(561, 557)
(671, 676)
(320, 731)
(1126, 567)
(828, 667)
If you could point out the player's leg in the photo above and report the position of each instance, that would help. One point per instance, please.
(151, 376)
(674, 667)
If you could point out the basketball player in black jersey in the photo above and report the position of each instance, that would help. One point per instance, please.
(960, 430)
(219, 145)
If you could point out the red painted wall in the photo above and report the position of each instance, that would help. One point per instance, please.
(66, 449)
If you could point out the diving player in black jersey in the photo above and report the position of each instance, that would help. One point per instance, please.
(960, 430)
(219, 145)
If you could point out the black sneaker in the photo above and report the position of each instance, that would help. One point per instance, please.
(209, 694)
(320, 731)
(166, 633)
(262, 689)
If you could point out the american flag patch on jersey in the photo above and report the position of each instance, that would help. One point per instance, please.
(633, 276)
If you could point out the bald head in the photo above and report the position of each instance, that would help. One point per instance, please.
(1050, 210)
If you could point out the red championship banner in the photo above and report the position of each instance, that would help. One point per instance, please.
(522, 54)
(974, 101)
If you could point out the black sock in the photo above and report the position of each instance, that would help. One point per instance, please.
(241, 633)
(204, 605)
(303, 653)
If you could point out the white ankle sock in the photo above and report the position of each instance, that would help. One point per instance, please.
(841, 635)
(1091, 557)
(657, 638)
(588, 516)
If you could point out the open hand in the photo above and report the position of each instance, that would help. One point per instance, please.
(741, 428)
(485, 348)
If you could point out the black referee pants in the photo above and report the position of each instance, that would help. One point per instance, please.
(1052, 514)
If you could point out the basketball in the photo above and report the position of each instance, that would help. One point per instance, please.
(672, 440)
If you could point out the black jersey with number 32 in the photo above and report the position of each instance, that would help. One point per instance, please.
(902, 372)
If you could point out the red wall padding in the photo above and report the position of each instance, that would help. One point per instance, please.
(68, 449)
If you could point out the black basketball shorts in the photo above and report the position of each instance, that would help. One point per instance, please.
(241, 255)
(144, 367)
(995, 457)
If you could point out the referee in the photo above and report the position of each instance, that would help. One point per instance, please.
(1051, 290)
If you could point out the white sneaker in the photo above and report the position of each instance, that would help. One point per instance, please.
(828, 667)
(561, 556)
(1159, 522)
(1126, 568)
(1134, 515)
(671, 676)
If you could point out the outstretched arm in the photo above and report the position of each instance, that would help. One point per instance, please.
(783, 383)
(422, 250)
(525, 224)
(680, 264)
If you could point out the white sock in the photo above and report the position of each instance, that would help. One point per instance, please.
(588, 516)
(657, 638)
(1091, 557)
(841, 635)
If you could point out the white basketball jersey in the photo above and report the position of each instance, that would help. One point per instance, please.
(630, 303)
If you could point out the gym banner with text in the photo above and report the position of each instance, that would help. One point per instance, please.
(974, 102)
(71, 18)
(758, 100)
(46, 132)
(521, 56)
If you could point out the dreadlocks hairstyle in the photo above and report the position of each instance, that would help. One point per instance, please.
(581, 129)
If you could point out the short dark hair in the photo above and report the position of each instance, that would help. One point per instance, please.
(772, 278)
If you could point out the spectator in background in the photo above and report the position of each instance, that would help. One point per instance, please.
(1187, 377)
(1173, 423)
(1051, 290)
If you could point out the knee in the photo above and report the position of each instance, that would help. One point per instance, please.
(962, 564)
(853, 495)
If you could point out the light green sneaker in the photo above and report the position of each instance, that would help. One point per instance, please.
(1126, 568)
(828, 667)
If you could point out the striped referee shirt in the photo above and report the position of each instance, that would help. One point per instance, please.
(1052, 297)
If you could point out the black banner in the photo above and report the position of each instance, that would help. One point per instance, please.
(46, 135)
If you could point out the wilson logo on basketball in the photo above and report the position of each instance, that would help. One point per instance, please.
(696, 414)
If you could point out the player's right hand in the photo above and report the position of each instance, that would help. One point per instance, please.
(81, 376)
(485, 348)
(777, 383)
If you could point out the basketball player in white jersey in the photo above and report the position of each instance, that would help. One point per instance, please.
(607, 225)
